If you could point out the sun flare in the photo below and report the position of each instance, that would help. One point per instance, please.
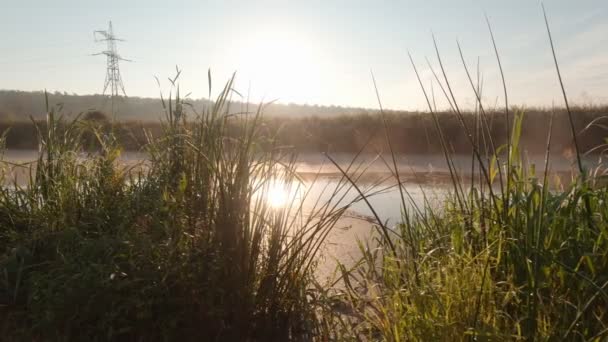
(280, 65)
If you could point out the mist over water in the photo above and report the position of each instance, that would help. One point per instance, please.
(422, 176)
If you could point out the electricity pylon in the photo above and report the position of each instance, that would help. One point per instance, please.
(113, 78)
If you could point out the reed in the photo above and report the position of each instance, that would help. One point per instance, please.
(507, 259)
(183, 246)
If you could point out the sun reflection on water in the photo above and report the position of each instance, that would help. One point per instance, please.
(277, 195)
(280, 193)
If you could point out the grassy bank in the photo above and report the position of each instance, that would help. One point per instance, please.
(525, 263)
(184, 249)
(505, 258)
(187, 248)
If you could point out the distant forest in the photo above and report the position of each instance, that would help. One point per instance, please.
(311, 128)
(20, 105)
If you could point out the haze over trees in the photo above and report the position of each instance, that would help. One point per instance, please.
(306, 128)
(20, 105)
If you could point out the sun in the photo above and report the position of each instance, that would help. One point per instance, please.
(285, 66)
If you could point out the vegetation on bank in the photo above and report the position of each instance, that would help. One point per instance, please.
(20, 105)
(412, 133)
(186, 248)
(522, 263)
(506, 258)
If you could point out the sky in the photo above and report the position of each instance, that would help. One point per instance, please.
(311, 52)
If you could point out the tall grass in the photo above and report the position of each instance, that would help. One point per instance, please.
(507, 259)
(182, 247)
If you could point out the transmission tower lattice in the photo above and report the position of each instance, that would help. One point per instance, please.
(113, 78)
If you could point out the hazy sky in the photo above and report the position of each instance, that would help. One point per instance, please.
(308, 51)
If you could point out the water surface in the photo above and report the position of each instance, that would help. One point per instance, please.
(422, 176)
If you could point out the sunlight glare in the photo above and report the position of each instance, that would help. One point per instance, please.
(280, 65)
(277, 195)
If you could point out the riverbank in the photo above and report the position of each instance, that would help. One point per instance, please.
(209, 235)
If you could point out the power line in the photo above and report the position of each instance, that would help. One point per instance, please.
(113, 78)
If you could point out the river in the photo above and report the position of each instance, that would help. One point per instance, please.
(421, 175)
